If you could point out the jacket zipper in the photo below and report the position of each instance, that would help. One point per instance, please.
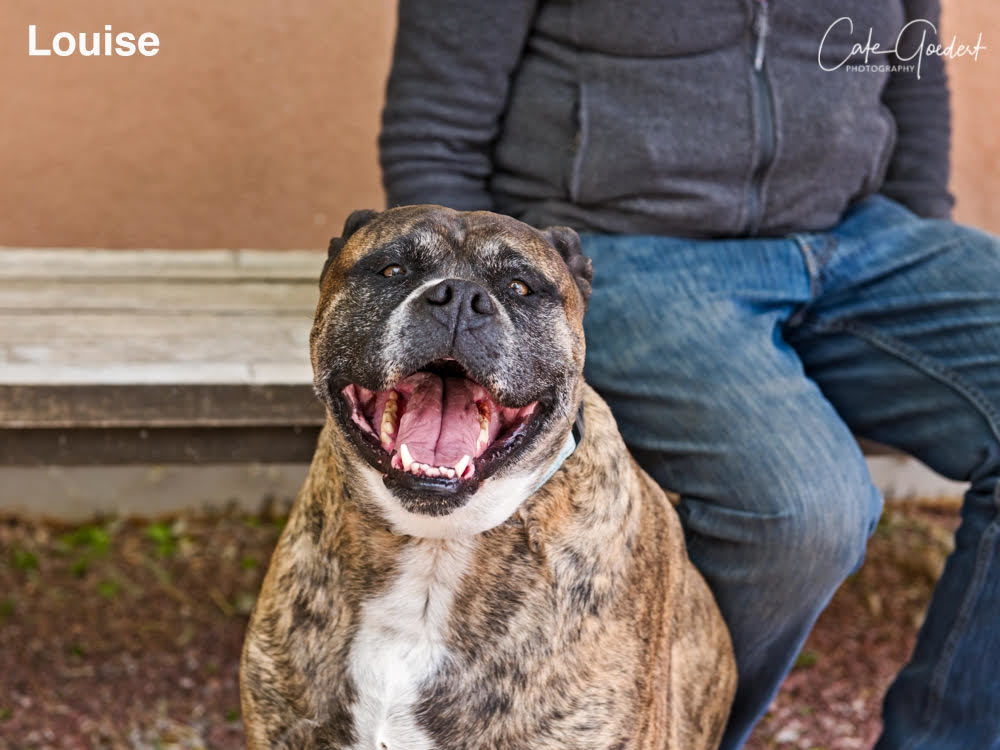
(764, 100)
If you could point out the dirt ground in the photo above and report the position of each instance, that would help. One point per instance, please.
(127, 634)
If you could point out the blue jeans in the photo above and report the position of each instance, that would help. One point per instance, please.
(738, 371)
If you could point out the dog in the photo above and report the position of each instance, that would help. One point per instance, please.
(475, 561)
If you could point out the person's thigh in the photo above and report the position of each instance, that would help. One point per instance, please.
(904, 339)
(684, 342)
(903, 335)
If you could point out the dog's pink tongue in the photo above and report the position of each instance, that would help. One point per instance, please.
(441, 422)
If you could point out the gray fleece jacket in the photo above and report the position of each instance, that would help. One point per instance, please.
(700, 118)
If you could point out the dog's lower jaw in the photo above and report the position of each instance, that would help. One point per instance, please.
(496, 500)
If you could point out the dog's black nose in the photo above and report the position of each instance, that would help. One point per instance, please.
(457, 303)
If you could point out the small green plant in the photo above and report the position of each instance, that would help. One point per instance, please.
(232, 715)
(7, 608)
(806, 659)
(5, 713)
(94, 540)
(163, 537)
(23, 560)
(87, 543)
(108, 589)
(80, 567)
(249, 563)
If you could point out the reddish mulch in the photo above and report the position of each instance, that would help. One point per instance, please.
(127, 635)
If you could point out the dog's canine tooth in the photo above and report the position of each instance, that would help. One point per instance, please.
(404, 455)
(461, 465)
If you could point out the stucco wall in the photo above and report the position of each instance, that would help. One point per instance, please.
(255, 124)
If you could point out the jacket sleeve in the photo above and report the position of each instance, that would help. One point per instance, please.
(917, 175)
(447, 91)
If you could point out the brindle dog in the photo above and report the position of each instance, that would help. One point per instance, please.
(464, 568)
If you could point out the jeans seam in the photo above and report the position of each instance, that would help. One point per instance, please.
(813, 272)
(812, 264)
(923, 363)
(991, 414)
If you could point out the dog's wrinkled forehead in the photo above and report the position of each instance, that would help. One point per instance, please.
(438, 233)
(453, 240)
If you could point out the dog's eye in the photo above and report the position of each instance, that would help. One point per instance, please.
(392, 270)
(519, 288)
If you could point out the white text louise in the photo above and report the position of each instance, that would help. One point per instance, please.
(94, 44)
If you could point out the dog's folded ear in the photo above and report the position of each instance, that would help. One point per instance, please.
(354, 222)
(567, 242)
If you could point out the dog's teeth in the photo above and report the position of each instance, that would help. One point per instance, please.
(395, 462)
(432, 471)
(462, 464)
(484, 426)
(447, 471)
(404, 455)
(388, 427)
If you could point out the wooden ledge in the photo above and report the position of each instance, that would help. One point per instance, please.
(132, 356)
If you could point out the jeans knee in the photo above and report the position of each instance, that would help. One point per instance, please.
(826, 534)
(809, 532)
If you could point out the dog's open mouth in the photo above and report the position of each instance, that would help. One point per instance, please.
(437, 426)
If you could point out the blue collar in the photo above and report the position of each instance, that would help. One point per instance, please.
(573, 439)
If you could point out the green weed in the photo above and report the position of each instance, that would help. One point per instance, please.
(162, 535)
(23, 560)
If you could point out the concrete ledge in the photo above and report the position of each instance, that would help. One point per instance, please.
(79, 493)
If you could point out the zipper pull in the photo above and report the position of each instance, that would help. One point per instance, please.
(760, 29)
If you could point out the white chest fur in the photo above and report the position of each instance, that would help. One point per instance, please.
(401, 643)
